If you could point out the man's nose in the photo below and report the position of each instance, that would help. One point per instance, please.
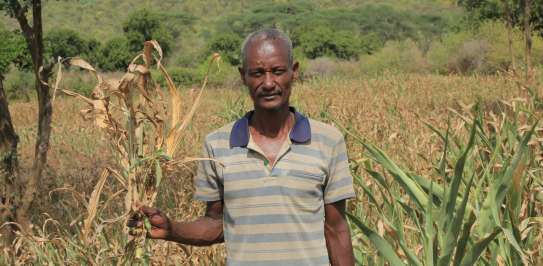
(269, 82)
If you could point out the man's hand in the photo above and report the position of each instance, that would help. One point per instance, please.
(204, 231)
(160, 224)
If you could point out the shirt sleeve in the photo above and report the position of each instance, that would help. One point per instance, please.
(207, 184)
(339, 183)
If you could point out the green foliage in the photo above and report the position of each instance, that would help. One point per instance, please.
(19, 84)
(13, 51)
(68, 43)
(342, 32)
(324, 41)
(228, 45)
(402, 56)
(496, 10)
(114, 55)
(184, 76)
(460, 220)
(483, 50)
(144, 25)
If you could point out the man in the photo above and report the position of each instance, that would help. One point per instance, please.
(279, 196)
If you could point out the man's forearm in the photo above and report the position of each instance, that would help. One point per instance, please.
(204, 231)
(338, 243)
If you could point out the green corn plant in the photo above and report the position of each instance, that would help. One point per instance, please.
(469, 213)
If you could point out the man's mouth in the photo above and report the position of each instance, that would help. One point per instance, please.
(270, 96)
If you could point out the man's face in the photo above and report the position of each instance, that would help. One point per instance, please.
(268, 75)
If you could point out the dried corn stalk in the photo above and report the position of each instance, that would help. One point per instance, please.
(145, 128)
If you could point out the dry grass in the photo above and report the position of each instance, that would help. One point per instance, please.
(388, 111)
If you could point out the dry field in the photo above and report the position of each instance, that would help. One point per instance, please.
(389, 111)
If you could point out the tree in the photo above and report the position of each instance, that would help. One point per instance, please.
(68, 43)
(493, 9)
(228, 45)
(114, 55)
(16, 206)
(13, 52)
(144, 25)
(323, 41)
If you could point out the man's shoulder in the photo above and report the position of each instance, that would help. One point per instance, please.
(321, 130)
(219, 135)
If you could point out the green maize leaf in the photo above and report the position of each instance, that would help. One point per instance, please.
(477, 249)
(464, 238)
(513, 242)
(429, 232)
(147, 224)
(378, 177)
(489, 215)
(158, 173)
(450, 203)
(437, 190)
(452, 232)
(415, 192)
(411, 256)
(408, 184)
(358, 257)
(384, 248)
(368, 192)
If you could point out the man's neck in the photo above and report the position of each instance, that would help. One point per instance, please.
(271, 123)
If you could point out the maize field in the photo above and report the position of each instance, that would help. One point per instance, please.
(448, 170)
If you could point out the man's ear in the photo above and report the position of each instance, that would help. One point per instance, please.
(295, 68)
(242, 74)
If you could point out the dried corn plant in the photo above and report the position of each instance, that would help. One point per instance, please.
(145, 127)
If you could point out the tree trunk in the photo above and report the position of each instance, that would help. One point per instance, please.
(528, 38)
(34, 38)
(509, 20)
(8, 167)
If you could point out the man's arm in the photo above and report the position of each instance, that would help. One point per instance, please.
(338, 237)
(204, 231)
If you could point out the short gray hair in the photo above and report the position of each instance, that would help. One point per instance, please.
(262, 35)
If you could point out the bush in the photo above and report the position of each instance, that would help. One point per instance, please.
(19, 84)
(68, 43)
(328, 67)
(114, 55)
(324, 41)
(228, 45)
(144, 25)
(484, 50)
(13, 51)
(78, 81)
(184, 76)
(401, 56)
(440, 52)
(225, 75)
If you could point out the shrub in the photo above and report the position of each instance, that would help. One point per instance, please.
(68, 43)
(184, 76)
(324, 41)
(78, 81)
(19, 84)
(484, 50)
(401, 56)
(13, 51)
(144, 25)
(228, 45)
(114, 55)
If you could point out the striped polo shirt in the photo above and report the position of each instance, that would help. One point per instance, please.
(274, 214)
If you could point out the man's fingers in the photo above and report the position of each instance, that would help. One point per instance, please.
(134, 223)
(149, 211)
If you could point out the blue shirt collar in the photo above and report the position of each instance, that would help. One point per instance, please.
(300, 133)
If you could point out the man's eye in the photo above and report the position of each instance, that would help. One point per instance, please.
(256, 74)
(278, 71)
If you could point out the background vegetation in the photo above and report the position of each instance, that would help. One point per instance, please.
(466, 37)
(436, 85)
